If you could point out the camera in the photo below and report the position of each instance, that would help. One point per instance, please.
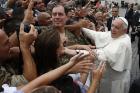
(27, 28)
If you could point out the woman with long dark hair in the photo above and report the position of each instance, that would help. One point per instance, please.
(48, 48)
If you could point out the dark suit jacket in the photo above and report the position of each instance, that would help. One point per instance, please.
(46, 2)
(135, 87)
(109, 22)
(138, 34)
(129, 15)
(136, 18)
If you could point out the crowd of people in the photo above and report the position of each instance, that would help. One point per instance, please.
(66, 46)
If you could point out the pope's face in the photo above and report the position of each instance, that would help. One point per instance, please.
(117, 28)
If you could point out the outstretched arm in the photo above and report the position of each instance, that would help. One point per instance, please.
(77, 26)
(47, 78)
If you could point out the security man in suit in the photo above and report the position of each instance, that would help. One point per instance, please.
(115, 14)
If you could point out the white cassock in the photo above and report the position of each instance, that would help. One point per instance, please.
(117, 53)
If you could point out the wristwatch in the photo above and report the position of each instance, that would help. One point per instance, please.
(77, 51)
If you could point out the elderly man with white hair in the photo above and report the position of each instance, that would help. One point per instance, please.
(114, 47)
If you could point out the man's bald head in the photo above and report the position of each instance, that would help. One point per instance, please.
(43, 15)
(44, 18)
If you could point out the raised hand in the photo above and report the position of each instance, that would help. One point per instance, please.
(76, 58)
(28, 18)
(25, 3)
(82, 67)
(83, 63)
(26, 39)
(97, 73)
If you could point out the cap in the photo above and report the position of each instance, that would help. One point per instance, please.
(124, 20)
